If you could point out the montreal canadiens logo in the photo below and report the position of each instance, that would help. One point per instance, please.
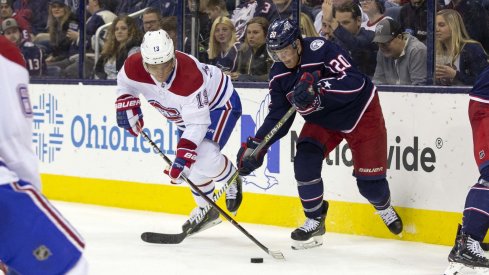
(316, 44)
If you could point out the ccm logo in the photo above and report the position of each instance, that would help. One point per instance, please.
(128, 104)
(190, 156)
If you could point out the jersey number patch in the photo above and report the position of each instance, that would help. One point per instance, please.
(25, 102)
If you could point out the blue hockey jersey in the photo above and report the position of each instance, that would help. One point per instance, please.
(345, 91)
(480, 91)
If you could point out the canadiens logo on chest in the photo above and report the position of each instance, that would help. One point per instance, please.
(169, 113)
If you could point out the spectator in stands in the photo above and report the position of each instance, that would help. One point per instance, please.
(123, 39)
(223, 47)
(33, 55)
(60, 20)
(459, 59)
(413, 19)
(100, 16)
(307, 27)
(35, 12)
(476, 19)
(375, 10)
(151, 20)
(216, 8)
(253, 60)
(326, 13)
(169, 24)
(348, 33)
(249, 9)
(401, 58)
(284, 9)
(7, 11)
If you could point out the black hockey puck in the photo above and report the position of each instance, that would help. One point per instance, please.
(257, 260)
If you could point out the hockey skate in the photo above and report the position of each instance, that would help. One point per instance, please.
(198, 223)
(391, 219)
(311, 233)
(234, 195)
(466, 253)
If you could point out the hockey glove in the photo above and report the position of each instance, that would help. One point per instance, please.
(129, 115)
(305, 92)
(185, 157)
(247, 163)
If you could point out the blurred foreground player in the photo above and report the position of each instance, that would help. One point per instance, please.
(34, 237)
(337, 102)
(467, 251)
(203, 104)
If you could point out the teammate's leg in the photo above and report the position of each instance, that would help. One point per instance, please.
(467, 251)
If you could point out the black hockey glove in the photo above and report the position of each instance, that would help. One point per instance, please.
(306, 91)
(246, 163)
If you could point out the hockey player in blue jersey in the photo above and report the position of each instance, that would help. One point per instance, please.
(337, 102)
(467, 251)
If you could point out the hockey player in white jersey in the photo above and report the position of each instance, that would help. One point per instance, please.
(34, 237)
(203, 104)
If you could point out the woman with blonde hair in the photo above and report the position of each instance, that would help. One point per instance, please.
(123, 39)
(459, 59)
(307, 27)
(223, 45)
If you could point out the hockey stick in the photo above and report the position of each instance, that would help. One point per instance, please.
(274, 253)
(176, 238)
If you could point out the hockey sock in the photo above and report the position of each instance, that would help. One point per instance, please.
(376, 192)
(207, 189)
(476, 212)
(307, 167)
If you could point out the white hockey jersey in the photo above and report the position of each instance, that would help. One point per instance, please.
(17, 158)
(192, 90)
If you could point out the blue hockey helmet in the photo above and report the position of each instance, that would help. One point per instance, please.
(281, 33)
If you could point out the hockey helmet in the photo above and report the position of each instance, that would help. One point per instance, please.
(157, 47)
(281, 33)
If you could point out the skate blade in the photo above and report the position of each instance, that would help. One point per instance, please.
(458, 269)
(207, 226)
(312, 242)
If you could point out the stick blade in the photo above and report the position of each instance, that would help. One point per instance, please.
(276, 254)
(161, 238)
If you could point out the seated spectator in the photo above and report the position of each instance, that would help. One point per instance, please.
(169, 24)
(7, 11)
(33, 55)
(216, 8)
(413, 19)
(348, 34)
(151, 20)
(375, 10)
(35, 12)
(459, 59)
(401, 58)
(249, 9)
(223, 48)
(476, 19)
(307, 27)
(123, 39)
(99, 16)
(61, 46)
(253, 60)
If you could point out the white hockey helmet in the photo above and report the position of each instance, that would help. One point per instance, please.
(157, 47)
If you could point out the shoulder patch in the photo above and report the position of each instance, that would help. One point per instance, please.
(135, 70)
(316, 44)
(188, 77)
(25, 102)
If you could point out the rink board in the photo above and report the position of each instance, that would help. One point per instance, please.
(85, 157)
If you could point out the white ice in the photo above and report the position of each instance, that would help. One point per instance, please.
(114, 247)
